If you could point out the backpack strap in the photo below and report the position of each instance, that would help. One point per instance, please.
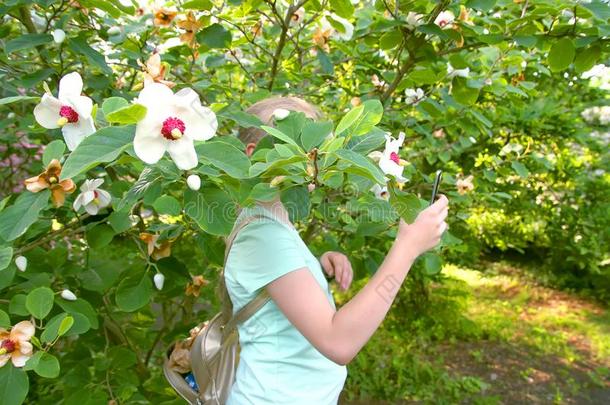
(257, 302)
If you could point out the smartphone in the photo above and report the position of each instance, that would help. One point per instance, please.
(437, 182)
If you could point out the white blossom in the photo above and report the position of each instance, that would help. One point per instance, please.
(414, 20)
(280, 113)
(91, 197)
(159, 279)
(58, 36)
(68, 295)
(194, 182)
(348, 28)
(414, 96)
(451, 72)
(21, 262)
(380, 192)
(390, 161)
(444, 19)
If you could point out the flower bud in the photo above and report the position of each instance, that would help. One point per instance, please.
(159, 279)
(280, 113)
(355, 101)
(277, 180)
(68, 295)
(21, 262)
(194, 182)
(311, 187)
(114, 31)
(58, 36)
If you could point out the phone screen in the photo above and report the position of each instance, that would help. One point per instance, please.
(437, 182)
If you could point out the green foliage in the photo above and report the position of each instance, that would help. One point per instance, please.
(507, 112)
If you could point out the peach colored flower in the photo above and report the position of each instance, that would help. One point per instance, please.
(191, 26)
(15, 345)
(320, 38)
(50, 179)
(156, 250)
(155, 71)
(194, 287)
(465, 185)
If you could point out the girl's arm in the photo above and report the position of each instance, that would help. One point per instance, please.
(339, 335)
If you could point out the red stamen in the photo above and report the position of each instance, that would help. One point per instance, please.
(394, 158)
(8, 344)
(169, 125)
(69, 113)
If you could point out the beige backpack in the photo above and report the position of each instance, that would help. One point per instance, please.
(213, 347)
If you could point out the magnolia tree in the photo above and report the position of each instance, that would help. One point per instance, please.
(121, 171)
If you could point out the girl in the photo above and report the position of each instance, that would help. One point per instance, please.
(294, 350)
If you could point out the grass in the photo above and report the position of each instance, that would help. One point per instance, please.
(487, 337)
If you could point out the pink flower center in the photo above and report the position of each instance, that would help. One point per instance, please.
(8, 345)
(394, 158)
(173, 128)
(68, 113)
(442, 23)
(95, 194)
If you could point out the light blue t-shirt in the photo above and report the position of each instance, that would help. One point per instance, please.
(277, 364)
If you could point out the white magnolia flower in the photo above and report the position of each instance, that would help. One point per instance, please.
(444, 19)
(380, 192)
(348, 27)
(297, 17)
(172, 123)
(21, 262)
(280, 113)
(194, 182)
(596, 71)
(414, 96)
(114, 30)
(451, 72)
(68, 295)
(58, 36)
(159, 279)
(390, 162)
(91, 197)
(414, 20)
(70, 111)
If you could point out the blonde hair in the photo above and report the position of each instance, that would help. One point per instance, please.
(264, 109)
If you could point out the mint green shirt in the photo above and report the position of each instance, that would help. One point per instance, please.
(277, 363)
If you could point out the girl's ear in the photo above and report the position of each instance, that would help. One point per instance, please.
(250, 148)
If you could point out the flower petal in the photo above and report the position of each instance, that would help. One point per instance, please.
(87, 196)
(36, 184)
(25, 347)
(70, 85)
(92, 209)
(76, 132)
(19, 360)
(4, 359)
(104, 198)
(58, 196)
(67, 185)
(78, 202)
(201, 123)
(155, 97)
(23, 330)
(148, 143)
(183, 153)
(47, 111)
(83, 105)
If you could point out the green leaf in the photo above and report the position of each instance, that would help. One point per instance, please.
(79, 308)
(119, 221)
(26, 41)
(241, 118)
(17, 218)
(212, 210)
(99, 236)
(349, 119)
(52, 328)
(462, 93)
(520, 168)
(5, 321)
(297, 203)
(314, 133)
(134, 292)
(367, 143)
(561, 54)
(225, 157)
(54, 150)
(15, 99)
(39, 302)
(167, 205)
(80, 46)
(44, 364)
(65, 325)
(481, 5)
(432, 264)
(198, 5)
(599, 9)
(6, 254)
(14, 384)
(361, 165)
(587, 58)
(113, 103)
(279, 135)
(127, 115)
(373, 111)
(390, 39)
(214, 36)
(407, 205)
(101, 147)
(343, 8)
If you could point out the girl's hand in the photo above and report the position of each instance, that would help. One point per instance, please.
(337, 264)
(426, 231)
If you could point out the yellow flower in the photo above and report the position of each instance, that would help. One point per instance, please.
(164, 17)
(16, 345)
(156, 250)
(191, 26)
(50, 179)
